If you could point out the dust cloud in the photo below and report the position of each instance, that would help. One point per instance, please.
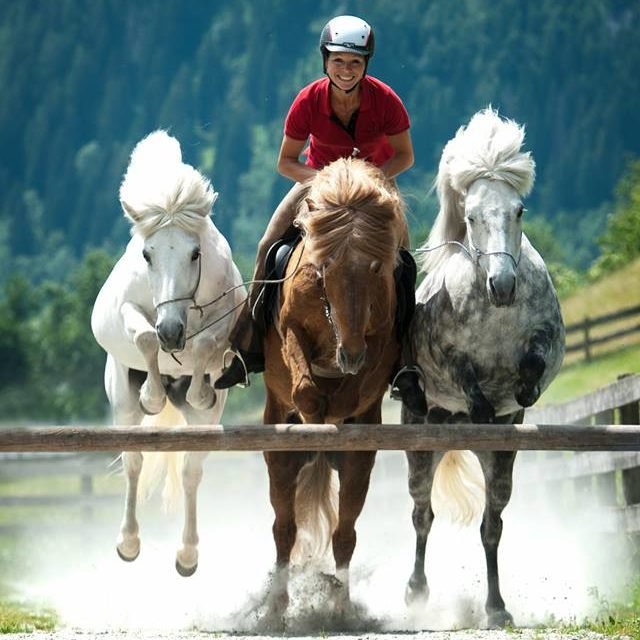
(554, 566)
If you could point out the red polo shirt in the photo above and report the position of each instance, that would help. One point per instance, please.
(381, 114)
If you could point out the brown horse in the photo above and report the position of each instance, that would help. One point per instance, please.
(329, 357)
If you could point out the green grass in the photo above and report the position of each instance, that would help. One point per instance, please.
(20, 618)
(614, 619)
(583, 377)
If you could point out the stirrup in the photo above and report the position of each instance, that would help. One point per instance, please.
(407, 368)
(236, 354)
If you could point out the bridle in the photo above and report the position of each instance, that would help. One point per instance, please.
(201, 307)
(473, 253)
(327, 305)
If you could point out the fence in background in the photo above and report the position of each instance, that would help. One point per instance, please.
(608, 481)
(583, 337)
(605, 421)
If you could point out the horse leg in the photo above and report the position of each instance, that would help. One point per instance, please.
(123, 393)
(497, 467)
(354, 472)
(283, 468)
(464, 372)
(532, 366)
(143, 335)
(187, 555)
(305, 394)
(200, 394)
(422, 466)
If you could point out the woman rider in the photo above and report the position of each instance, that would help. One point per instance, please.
(348, 113)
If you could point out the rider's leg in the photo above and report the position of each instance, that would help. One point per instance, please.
(246, 341)
(407, 383)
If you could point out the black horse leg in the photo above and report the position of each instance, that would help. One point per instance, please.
(532, 366)
(421, 470)
(465, 374)
(497, 467)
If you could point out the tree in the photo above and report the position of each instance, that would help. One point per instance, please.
(620, 244)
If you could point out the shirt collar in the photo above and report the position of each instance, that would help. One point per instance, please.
(365, 95)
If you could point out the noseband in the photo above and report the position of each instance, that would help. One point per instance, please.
(192, 296)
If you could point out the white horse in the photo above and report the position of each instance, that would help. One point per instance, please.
(164, 316)
(487, 331)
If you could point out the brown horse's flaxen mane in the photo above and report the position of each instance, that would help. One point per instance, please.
(352, 206)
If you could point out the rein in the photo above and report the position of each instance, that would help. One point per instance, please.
(477, 253)
(226, 292)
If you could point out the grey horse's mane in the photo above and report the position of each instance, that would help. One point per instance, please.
(489, 146)
(159, 189)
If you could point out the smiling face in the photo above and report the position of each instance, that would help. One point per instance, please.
(345, 69)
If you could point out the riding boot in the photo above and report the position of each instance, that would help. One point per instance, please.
(245, 360)
(408, 386)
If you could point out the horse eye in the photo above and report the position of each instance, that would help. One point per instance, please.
(470, 219)
(195, 255)
(146, 256)
(520, 211)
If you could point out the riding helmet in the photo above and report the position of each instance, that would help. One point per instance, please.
(348, 34)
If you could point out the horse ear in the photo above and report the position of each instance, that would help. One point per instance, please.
(129, 211)
(214, 197)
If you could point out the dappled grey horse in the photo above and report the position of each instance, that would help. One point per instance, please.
(487, 331)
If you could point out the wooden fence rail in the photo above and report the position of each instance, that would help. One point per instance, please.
(607, 483)
(326, 437)
(585, 328)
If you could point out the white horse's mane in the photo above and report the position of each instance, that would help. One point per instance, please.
(489, 146)
(158, 189)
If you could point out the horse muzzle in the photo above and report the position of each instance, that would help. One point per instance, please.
(501, 290)
(172, 335)
(350, 362)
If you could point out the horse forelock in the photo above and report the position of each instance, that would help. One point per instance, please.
(488, 147)
(159, 189)
(354, 211)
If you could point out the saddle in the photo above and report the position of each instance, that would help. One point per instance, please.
(266, 305)
(265, 308)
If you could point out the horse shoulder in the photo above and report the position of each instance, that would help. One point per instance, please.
(300, 293)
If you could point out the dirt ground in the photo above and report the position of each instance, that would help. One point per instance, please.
(553, 569)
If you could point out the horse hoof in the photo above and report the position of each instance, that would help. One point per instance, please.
(150, 412)
(526, 397)
(204, 402)
(415, 595)
(128, 558)
(186, 572)
(499, 619)
(482, 413)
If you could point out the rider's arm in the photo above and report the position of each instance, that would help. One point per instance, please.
(403, 156)
(289, 164)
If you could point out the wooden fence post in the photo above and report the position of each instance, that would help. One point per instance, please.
(587, 339)
(630, 414)
(605, 483)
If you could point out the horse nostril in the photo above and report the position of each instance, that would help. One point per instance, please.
(170, 334)
(351, 362)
